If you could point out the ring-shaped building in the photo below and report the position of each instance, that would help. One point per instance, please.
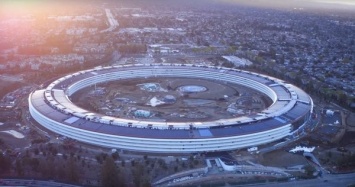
(289, 112)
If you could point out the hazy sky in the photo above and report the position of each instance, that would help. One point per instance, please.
(280, 4)
(270, 3)
(344, 2)
(341, 2)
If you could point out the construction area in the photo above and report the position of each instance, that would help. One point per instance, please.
(171, 99)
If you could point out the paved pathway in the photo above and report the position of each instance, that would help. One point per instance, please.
(337, 180)
(32, 183)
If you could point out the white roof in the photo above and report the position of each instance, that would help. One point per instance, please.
(71, 120)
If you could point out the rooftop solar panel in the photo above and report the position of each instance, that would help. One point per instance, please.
(71, 120)
(205, 133)
(258, 126)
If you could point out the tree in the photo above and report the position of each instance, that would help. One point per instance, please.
(109, 174)
(115, 155)
(5, 163)
(99, 158)
(36, 151)
(19, 168)
(348, 161)
(342, 98)
(65, 157)
(1, 142)
(137, 173)
(34, 162)
(72, 171)
(146, 183)
(133, 163)
(132, 48)
(309, 170)
(48, 168)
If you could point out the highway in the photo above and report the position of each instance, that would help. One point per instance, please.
(32, 183)
(111, 20)
(339, 180)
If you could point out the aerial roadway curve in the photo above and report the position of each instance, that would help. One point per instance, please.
(325, 181)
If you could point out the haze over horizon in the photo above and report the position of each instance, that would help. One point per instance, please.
(266, 3)
(312, 4)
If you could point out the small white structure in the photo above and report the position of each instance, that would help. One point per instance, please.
(155, 102)
(169, 99)
(142, 113)
(225, 166)
(237, 62)
(192, 88)
(329, 112)
(14, 133)
(151, 87)
(304, 149)
(252, 149)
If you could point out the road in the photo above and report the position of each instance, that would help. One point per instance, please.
(315, 123)
(111, 20)
(33, 183)
(326, 181)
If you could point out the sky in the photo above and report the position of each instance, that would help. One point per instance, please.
(304, 3)
(344, 2)
(325, 6)
(279, 4)
(270, 2)
(340, 2)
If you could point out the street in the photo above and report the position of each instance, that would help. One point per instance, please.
(327, 181)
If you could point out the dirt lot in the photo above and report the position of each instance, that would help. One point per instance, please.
(282, 158)
(215, 100)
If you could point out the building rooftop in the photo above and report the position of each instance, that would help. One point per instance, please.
(289, 104)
